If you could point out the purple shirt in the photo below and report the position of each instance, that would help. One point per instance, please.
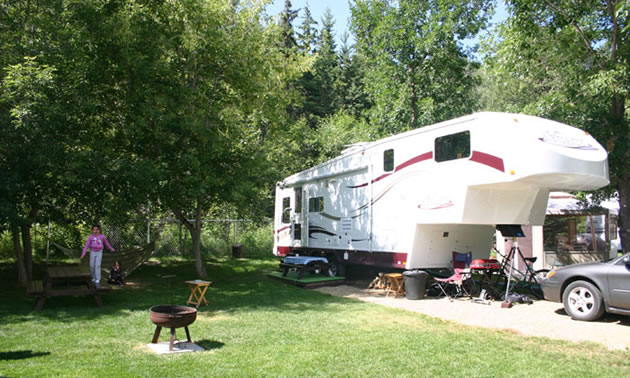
(95, 244)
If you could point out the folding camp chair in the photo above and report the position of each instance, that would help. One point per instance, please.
(459, 283)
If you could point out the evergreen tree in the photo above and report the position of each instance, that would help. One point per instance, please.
(307, 35)
(349, 91)
(324, 69)
(286, 24)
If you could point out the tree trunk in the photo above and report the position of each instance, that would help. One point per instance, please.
(623, 188)
(200, 267)
(19, 258)
(28, 251)
(195, 234)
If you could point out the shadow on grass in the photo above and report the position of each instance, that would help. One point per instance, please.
(209, 345)
(21, 355)
(237, 285)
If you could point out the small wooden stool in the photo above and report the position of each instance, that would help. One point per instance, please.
(379, 282)
(396, 286)
(198, 292)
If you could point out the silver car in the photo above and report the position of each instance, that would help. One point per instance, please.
(588, 290)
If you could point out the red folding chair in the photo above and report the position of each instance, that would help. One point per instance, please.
(457, 284)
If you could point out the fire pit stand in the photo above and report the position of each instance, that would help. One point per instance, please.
(172, 316)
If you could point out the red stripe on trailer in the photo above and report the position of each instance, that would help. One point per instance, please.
(417, 159)
(412, 161)
(283, 251)
(282, 229)
(487, 159)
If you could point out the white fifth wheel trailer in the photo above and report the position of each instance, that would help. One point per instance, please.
(409, 200)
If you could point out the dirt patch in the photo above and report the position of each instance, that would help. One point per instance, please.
(542, 318)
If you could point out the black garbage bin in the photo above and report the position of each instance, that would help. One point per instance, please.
(415, 284)
(237, 251)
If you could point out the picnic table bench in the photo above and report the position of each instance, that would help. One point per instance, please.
(65, 281)
(304, 264)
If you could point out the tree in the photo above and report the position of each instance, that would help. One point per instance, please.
(568, 61)
(419, 72)
(307, 34)
(348, 87)
(286, 23)
(320, 101)
(201, 128)
(131, 103)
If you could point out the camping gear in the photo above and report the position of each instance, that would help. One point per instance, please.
(461, 274)
(485, 264)
(172, 316)
(198, 290)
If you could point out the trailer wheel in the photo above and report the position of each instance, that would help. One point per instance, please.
(336, 268)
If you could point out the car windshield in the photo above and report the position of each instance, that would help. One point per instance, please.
(619, 257)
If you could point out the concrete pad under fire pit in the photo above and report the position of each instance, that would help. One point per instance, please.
(178, 347)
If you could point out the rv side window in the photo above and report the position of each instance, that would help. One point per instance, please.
(286, 210)
(388, 160)
(298, 200)
(451, 147)
(316, 204)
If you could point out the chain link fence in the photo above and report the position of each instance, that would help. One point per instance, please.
(218, 236)
(171, 237)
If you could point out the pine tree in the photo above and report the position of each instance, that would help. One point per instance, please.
(286, 23)
(307, 34)
(348, 86)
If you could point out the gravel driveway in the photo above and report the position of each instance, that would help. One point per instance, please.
(542, 318)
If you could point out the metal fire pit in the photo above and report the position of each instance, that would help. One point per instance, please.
(172, 316)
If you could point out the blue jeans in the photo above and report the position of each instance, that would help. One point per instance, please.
(95, 265)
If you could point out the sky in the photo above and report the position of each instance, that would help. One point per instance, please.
(341, 13)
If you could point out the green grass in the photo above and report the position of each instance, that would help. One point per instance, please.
(257, 326)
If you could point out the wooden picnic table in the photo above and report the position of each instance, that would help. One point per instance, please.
(69, 280)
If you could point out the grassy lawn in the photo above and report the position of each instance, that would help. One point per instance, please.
(256, 326)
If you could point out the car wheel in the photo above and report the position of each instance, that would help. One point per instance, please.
(583, 301)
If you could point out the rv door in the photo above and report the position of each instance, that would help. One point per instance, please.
(298, 227)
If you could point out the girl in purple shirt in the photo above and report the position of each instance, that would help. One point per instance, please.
(95, 243)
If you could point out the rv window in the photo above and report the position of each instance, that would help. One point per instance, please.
(286, 210)
(388, 160)
(316, 204)
(298, 200)
(451, 147)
